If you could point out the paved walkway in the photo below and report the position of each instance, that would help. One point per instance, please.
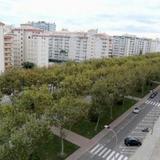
(71, 136)
(150, 150)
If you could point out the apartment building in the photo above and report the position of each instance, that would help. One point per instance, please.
(79, 46)
(51, 27)
(99, 45)
(127, 45)
(8, 51)
(1, 47)
(30, 45)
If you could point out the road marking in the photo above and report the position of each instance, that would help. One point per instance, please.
(120, 158)
(101, 153)
(110, 155)
(99, 149)
(106, 153)
(95, 148)
(159, 105)
(126, 158)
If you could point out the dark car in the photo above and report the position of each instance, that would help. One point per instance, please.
(132, 141)
(153, 94)
(145, 130)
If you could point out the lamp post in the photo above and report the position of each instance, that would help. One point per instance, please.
(115, 134)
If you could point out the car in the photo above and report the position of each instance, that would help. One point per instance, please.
(132, 141)
(145, 130)
(136, 110)
(153, 95)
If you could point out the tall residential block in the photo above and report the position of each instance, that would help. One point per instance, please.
(46, 26)
(8, 51)
(1, 47)
(30, 45)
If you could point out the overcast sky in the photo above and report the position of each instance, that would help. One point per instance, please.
(140, 17)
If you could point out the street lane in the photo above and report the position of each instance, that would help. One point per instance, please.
(132, 125)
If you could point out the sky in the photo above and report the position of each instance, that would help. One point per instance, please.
(138, 17)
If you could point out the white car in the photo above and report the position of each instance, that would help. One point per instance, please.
(136, 110)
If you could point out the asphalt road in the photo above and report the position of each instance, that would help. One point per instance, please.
(108, 149)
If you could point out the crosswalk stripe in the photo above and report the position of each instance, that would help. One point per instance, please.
(101, 153)
(95, 148)
(99, 149)
(108, 158)
(154, 103)
(106, 153)
(117, 154)
(125, 158)
(120, 158)
(159, 105)
(147, 102)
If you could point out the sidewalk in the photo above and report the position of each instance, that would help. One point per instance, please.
(150, 150)
(71, 137)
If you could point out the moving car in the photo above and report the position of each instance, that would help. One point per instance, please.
(153, 95)
(136, 110)
(132, 141)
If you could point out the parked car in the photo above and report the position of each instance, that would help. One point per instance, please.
(145, 130)
(136, 110)
(153, 95)
(132, 141)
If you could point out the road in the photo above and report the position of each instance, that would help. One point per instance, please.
(108, 149)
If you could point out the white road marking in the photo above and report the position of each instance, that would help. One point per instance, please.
(126, 158)
(113, 152)
(106, 153)
(95, 148)
(99, 149)
(101, 153)
(120, 158)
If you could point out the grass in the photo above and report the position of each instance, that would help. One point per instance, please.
(86, 127)
(51, 150)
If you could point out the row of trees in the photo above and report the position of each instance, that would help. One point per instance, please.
(58, 96)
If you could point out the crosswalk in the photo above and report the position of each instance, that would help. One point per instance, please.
(157, 104)
(106, 153)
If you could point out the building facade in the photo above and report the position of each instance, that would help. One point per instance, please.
(79, 46)
(51, 27)
(1, 48)
(30, 45)
(8, 51)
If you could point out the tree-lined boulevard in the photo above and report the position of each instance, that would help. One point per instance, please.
(56, 96)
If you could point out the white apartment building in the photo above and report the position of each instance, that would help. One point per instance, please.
(99, 45)
(1, 47)
(127, 45)
(36, 50)
(79, 46)
(30, 45)
(8, 51)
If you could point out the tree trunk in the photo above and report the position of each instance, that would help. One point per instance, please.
(142, 89)
(62, 142)
(96, 127)
(111, 112)
(123, 103)
(62, 146)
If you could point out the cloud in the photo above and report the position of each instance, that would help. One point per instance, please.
(111, 16)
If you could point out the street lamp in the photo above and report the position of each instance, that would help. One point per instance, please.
(115, 134)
